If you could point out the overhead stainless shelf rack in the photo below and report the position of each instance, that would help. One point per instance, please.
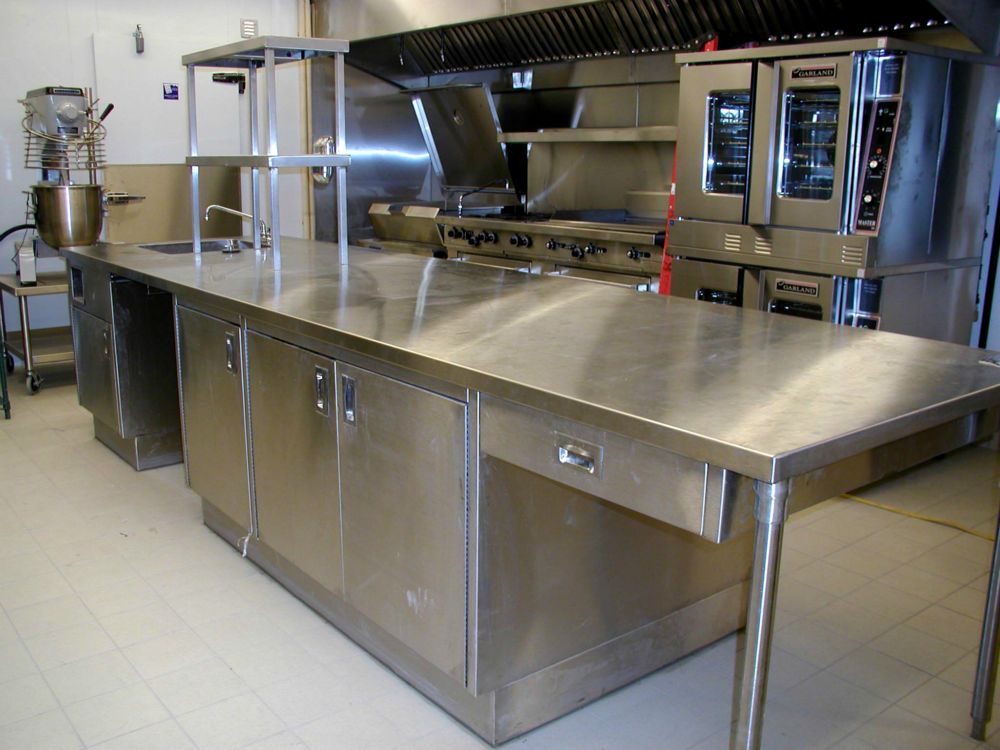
(267, 52)
(646, 133)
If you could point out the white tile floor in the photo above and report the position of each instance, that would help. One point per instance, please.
(125, 623)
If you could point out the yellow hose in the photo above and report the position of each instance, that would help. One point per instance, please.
(919, 516)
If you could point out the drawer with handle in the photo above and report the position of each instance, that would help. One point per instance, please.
(680, 491)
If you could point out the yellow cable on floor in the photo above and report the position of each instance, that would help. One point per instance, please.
(919, 516)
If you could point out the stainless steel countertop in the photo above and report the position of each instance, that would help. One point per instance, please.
(764, 395)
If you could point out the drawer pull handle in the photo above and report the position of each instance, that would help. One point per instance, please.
(231, 352)
(577, 457)
(349, 387)
(321, 382)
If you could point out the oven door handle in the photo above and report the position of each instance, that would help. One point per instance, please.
(764, 140)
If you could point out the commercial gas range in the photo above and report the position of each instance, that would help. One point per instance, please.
(602, 246)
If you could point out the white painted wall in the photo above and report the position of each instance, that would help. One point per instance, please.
(89, 43)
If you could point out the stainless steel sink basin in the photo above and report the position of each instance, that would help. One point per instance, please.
(225, 245)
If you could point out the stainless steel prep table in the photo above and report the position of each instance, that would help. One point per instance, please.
(49, 346)
(799, 410)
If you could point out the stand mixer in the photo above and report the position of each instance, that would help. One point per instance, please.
(62, 137)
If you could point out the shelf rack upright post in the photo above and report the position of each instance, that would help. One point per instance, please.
(268, 52)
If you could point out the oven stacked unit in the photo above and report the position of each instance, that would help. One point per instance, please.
(623, 254)
(844, 181)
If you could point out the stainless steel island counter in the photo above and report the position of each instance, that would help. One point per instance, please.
(540, 487)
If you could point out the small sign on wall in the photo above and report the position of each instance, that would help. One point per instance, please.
(171, 91)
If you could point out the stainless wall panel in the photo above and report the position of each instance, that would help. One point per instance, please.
(580, 176)
(389, 160)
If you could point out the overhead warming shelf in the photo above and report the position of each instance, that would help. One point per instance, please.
(648, 133)
(264, 161)
(249, 52)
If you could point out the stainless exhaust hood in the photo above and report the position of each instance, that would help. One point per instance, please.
(602, 29)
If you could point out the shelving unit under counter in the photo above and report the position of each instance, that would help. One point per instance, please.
(267, 52)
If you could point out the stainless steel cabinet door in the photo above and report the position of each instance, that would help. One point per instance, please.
(210, 352)
(293, 418)
(403, 494)
(95, 378)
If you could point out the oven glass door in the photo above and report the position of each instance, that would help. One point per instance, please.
(812, 125)
(713, 143)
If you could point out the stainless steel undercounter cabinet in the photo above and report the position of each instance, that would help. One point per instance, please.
(126, 377)
(210, 363)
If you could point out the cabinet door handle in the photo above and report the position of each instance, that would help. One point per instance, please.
(321, 383)
(231, 352)
(350, 395)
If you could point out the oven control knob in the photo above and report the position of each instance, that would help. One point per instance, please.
(524, 240)
(474, 241)
(452, 232)
(551, 245)
(576, 252)
(513, 240)
(491, 237)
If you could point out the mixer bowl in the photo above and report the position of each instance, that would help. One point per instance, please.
(68, 215)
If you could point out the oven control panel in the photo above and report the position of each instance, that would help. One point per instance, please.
(875, 174)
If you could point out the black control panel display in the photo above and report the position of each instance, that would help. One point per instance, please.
(876, 172)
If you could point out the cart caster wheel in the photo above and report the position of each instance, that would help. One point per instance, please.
(32, 383)
(9, 363)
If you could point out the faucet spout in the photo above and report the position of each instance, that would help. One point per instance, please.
(265, 230)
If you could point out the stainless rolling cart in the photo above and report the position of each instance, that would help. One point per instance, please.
(328, 155)
(41, 347)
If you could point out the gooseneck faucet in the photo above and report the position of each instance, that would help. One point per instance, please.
(265, 230)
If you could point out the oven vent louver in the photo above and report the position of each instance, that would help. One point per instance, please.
(762, 246)
(732, 243)
(610, 28)
(852, 256)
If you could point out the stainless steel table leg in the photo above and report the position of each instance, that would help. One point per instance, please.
(770, 511)
(29, 364)
(986, 669)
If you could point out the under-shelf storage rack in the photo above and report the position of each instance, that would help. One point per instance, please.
(267, 52)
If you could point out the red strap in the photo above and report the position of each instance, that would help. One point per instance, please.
(667, 263)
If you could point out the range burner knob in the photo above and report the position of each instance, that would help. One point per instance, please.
(590, 249)
(576, 252)
(452, 232)
(524, 240)
(490, 237)
(474, 241)
(514, 240)
(550, 245)
(633, 254)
